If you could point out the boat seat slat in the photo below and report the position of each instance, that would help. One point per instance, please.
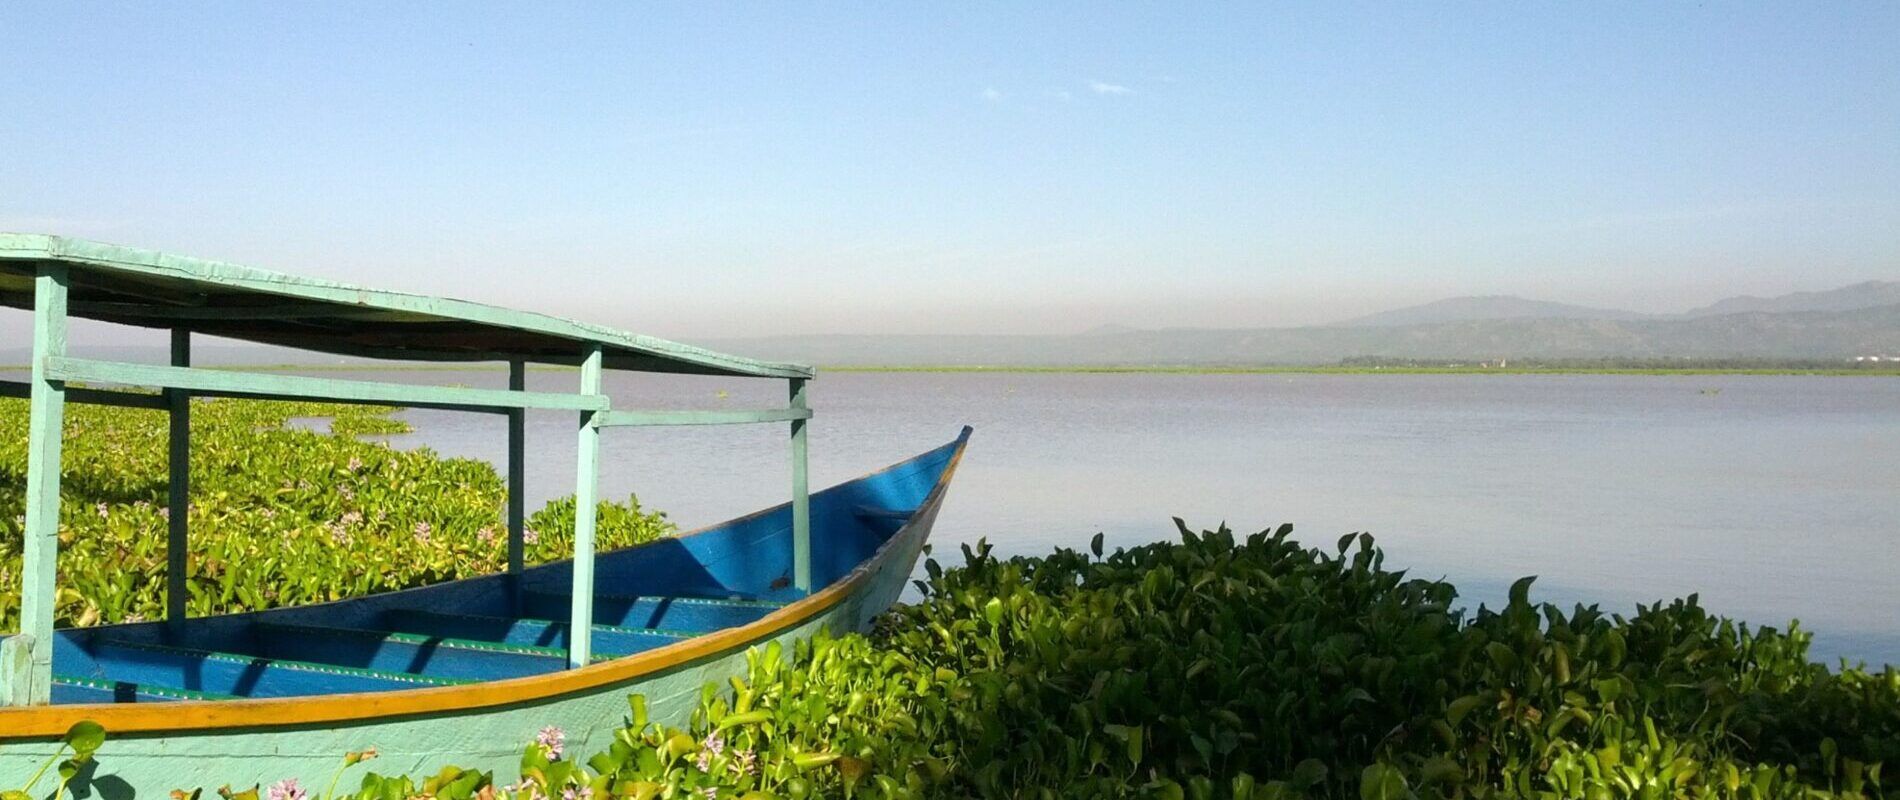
(684, 614)
(389, 651)
(608, 640)
(236, 674)
(70, 689)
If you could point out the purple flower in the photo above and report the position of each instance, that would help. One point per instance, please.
(530, 536)
(287, 789)
(486, 535)
(583, 793)
(355, 463)
(422, 532)
(713, 747)
(551, 739)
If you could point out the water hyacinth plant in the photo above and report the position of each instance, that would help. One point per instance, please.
(280, 514)
(81, 740)
(1244, 667)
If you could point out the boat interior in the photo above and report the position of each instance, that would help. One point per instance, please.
(498, 626)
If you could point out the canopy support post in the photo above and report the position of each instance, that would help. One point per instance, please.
(586, 485)
(178, 506)
(801, 493)
(517, 480)
(26, 660)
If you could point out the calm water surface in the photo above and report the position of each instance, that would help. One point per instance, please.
(1771, 497)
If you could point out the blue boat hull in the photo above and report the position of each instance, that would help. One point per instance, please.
(466, 672)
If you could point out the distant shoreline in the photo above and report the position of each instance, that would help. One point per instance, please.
(1361, 370)
(1158, 369)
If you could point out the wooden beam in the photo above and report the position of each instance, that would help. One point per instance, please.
(296, 387)
(517, 470)
(615, 419)
(26, 660)
(223, 313)
(801, 490)
(586, 488)
(178, 505)
(97, 397)
(143, 273)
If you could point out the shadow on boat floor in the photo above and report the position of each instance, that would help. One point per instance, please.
(406, 648)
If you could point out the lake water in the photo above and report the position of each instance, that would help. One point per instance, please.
(1772, 497)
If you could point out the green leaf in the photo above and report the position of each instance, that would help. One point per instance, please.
(747, 718)
(813, 760)
(1521, 590)
(85, 737)
(1382, 782)
(1501, 655)
(1308, 774)
(1459, 708)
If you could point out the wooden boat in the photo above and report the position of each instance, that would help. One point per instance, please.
(464, 672)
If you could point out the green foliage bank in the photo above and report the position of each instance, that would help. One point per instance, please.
(1225, 667)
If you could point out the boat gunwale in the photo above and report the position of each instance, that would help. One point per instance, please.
(222, 716)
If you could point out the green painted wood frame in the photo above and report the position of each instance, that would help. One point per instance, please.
(26, 659)
(801, 489)
(178, 517)
(98, 397)
(297, 387)
(517, 478)
(580, 648)
(615, 419)
(297, 296)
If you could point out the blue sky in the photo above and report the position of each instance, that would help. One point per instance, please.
(706, 170)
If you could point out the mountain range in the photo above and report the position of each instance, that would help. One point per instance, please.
(1858, 320)
(1867, 294)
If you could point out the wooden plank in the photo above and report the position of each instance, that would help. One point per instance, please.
(173, 313)
(586, 487)
(631, 417)
(801, 491)
(156, 272)
(178, 504)
(97, 397)
(297, 387)
(29, 680)
(517, 469)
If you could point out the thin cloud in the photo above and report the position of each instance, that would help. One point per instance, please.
(1103, 88)
(1063, 94)
(990, 93)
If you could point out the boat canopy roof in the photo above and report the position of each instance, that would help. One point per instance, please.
(130, 286)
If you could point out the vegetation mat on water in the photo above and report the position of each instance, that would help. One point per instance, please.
(1250, 668)
(280, 514)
